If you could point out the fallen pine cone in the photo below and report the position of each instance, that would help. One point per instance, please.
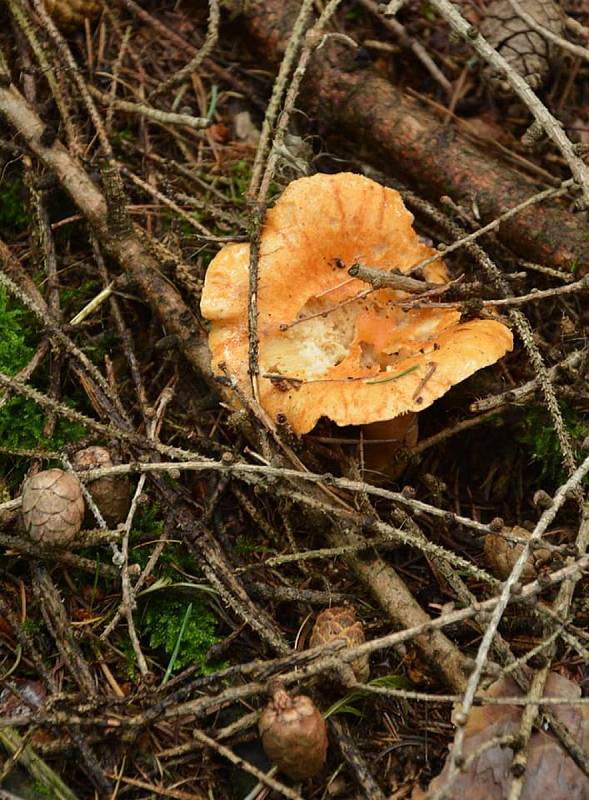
(501, 555)
(294, 734)
(111, 494)
(527, 51)
(341, 623)
(52, 507)
(70, 14)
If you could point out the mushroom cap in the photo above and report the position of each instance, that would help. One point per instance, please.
(52, 506)
(355, 361)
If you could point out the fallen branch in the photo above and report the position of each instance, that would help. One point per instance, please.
(552, 127)
(391, 128)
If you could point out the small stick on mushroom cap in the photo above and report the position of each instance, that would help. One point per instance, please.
(329, 344)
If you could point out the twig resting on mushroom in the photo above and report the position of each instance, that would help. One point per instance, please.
(379, 279)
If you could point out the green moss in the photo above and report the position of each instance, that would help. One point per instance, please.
(13, 212)
(31, 626)
(244, 546)
(15, 335)
(21, 420)
(149, 521)
(118, 140)
(539, 437)
(162, 623)
(21, 427)
(126, 649)
(240, 175)
(41, 790)
(148, 526)
(73, 298)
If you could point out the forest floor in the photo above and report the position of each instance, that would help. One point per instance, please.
(135, 658)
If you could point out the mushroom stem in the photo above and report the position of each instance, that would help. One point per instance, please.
(385, 439)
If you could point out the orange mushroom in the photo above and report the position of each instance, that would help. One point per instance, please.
(329, 344)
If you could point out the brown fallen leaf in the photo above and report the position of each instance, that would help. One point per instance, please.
(550, 772)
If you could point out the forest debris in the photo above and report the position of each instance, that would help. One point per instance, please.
(528, 52)
(340, 622)
(294, 734)
(244, 128)
(22, 699)
(387, 126)
(111, 494)
(70, 14)
(328, 345)
(52, 506)
(501, 554)
(550, 771)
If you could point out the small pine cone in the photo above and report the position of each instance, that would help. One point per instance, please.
(70, 14)
(111, 495)
(501, 554)
(52, 507)
(294, 735)
(526, 50)
(341, 623)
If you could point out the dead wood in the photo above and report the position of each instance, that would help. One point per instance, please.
(130, 249)
(395, 132)
(125, 245)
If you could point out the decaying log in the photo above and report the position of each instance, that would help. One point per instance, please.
(398, 134)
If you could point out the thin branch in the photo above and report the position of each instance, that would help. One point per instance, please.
(195, 62)
(263, 777)
(521, 393)
(502, 601)
(518, 300)
(154, 114)
(406, 40)
(466, 239)
(523, 90)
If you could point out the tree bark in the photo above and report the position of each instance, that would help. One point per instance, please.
(397, 134)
